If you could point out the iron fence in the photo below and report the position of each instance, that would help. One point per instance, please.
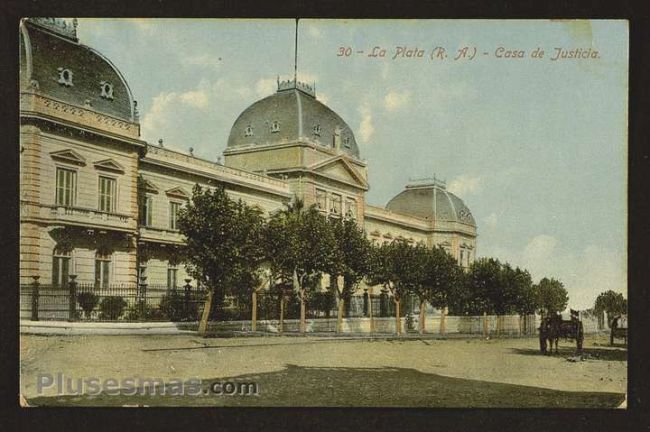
(75, 301)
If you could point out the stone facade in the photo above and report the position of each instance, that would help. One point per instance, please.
(98, 202)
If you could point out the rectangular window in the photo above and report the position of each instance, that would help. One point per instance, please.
(146, 213)
(172, 274)
(60, 271)
(174, 207)
(351, 208)
(321, 200)
(106, 194)
(102, 270)
(336, 204)
(66, 187)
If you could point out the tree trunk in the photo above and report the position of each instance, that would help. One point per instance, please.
(422, 308)
(485, 325)
(303, 322)
(398, 323)
(281, 329)
(443, 316)
(339, 317)
(254, 312)
(372, 322)
(203, 325)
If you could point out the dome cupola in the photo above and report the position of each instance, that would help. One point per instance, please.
(292, 114)
(429, 199)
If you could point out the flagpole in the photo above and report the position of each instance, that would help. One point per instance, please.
(295, 57)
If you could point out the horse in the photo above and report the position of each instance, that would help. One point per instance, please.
(553, 327)
(549, 334)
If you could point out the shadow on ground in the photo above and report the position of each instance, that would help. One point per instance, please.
(363, 387)
(587, 353)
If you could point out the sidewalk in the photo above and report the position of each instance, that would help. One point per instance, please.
(100, 328)
(63, 328)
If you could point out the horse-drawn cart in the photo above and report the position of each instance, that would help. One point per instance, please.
(618, 329)
(553, 327)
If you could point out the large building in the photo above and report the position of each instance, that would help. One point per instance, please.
(98, 202)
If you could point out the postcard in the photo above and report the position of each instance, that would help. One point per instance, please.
(323, 213)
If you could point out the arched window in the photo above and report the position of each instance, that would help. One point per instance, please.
(248, 131)
(275, 126)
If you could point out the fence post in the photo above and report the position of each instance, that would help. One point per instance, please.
(186, 299)
(142, 304)
(72, 305)
(35, 296)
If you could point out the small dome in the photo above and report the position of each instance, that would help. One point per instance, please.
(431, 200)
(291, 114)
(58, 66)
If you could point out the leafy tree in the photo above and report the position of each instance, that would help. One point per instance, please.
(552, 297)
(443, 280)
(483, 287)
(612, 303)
(350, 260)
(222, 244)
(299, 247)
(393, 266)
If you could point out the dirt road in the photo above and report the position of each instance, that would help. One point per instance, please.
(506, 361)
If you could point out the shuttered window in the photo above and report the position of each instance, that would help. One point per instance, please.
(106, 194)
(66, 187)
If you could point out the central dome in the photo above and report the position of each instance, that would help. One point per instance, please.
(292, 114)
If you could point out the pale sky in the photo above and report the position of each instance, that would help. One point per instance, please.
(536, 148)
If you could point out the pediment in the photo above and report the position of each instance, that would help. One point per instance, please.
(178, 192)
(340, 169)
(69, 156)
(109, 165)
(149, 186)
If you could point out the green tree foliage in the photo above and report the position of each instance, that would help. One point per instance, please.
(612, 303)
(552, 297)
(395, 266)
(223, 249)
(497, 288)
(518, 296)
(299, 246)
(483, 291)
(350, 257)
(443, 278)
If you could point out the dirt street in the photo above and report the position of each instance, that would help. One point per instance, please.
(506, 361)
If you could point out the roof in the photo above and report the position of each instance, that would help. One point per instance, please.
(49, 47)
(291, 114)
(431, 201)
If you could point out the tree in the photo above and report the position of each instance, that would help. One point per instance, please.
(418, 278)
(350, 260)
(483, 287)
(552, 297)
(612, 303)
(392, 266)
(443, 280)
(299, 245)
(222, 244)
